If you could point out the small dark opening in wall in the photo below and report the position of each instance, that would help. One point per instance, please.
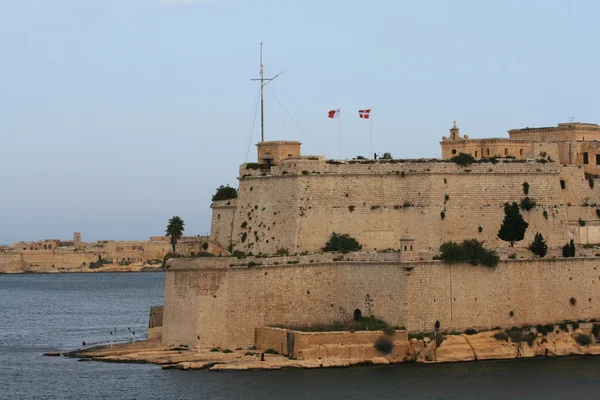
(453, 151)
(357, 315)
(562, 184)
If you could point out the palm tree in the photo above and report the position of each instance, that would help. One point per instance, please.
(175, 230)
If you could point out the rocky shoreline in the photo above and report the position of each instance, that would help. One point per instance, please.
(489, 345)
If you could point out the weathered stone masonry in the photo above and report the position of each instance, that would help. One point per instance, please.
(223, 306)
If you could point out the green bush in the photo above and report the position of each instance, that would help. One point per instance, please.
(214, 349)
(342, 242)
(463, 159)
(501, 336)
(225, 193)
(513, 226)
(468, 251)
(470, 331)
(529, 338)
(384, 344)
(271, 351)
(386, 156)
(527, 203)
(596, 329)
(252, 165)
(538, 246)
(583, 340)
(204, 254)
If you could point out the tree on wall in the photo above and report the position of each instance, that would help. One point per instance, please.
(538, 246)
(514, 226)
(175, 230)
(386, 156)
(342, 242)
(225, 193)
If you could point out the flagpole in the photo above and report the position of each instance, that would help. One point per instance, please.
(340, 125)
(371, 132)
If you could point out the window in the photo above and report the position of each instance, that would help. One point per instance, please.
(585, 158)
(218, 216)
(505, 152)
(453, 151)
(289, 155)
(521, 152)
(597, 159)
(488, 151)
(562, 184)
(404, 248)
(475, 153)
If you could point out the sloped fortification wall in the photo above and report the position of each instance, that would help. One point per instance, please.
(382, 204)
(224, 306)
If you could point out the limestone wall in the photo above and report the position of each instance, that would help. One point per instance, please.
(384, 204)
(224, 306)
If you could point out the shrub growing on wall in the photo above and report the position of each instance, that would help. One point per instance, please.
(527, 203)
(225, 193)
(463, 159)
(342, 242)
(514, 226)
(538, 246)
(386, 156)
(471, 251)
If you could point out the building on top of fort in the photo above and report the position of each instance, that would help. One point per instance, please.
(572, 143)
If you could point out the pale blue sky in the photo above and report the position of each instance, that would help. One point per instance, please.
(117, 114)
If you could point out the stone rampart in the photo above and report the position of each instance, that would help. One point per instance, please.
(384, 204)
(225, 306)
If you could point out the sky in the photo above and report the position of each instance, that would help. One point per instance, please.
(118, 114)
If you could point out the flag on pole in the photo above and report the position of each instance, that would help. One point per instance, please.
(364, 113)
(334, 113)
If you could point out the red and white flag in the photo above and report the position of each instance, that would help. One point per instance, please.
(364, 113)
(334, 113)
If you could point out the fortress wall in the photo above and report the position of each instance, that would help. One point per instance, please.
(224, 307)
(10, 262)
(299, 212)
(223, 213)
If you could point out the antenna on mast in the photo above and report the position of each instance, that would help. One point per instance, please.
(263, 83)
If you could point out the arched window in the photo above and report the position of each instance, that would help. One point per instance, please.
(521, 152)
(45, 247)
(475, 153)
(488, 151)
(357, 315)
(505, 151)
(49, 247)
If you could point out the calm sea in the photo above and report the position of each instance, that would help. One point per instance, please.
(40, 313)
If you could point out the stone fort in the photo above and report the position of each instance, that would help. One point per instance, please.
(401, 211)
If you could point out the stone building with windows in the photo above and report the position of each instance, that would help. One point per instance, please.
(572, 143)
